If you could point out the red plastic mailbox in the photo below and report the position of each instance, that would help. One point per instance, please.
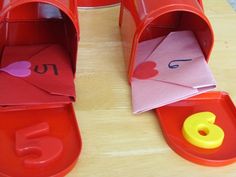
(96, 3)
(143, 20)
(38, 48)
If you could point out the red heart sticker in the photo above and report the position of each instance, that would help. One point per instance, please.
(145, 70)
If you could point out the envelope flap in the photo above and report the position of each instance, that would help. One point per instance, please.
(172, 69)
(178, 55)
(146, 48)
(50, 71)
(196, 73)
(50, 65)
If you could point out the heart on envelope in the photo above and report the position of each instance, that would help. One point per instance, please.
(192, 75)
(50, 80)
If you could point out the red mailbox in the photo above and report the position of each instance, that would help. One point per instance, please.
(96, 3)
(144, 20)
(38, 46)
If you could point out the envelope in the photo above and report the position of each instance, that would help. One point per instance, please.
(48, 75)
(176, 69)
(146, 48)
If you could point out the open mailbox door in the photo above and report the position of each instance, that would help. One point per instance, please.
(173, 39)
(38, 49)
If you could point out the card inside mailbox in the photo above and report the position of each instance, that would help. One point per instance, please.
(180, 69)
(50, 78)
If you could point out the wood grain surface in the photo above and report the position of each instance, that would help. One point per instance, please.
(117, 143)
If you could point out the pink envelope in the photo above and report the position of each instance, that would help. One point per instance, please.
(177, 70)
(146, 48)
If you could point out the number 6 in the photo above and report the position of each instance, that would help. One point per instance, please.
(199, 129)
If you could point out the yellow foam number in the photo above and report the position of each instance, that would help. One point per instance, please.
(199, 130)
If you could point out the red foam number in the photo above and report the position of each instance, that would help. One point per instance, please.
(34, 140)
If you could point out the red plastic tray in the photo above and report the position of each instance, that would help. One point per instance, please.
(39, 141)
(171, 119)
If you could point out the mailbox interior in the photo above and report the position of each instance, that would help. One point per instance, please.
(180, 21)
(38, 23)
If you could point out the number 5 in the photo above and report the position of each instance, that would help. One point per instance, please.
(34, 140)
(199, 129)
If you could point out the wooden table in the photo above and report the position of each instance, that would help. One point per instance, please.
(117, 143)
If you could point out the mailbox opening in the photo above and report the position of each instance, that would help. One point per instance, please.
(37, 23)
(38, 47)
(180, 21)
